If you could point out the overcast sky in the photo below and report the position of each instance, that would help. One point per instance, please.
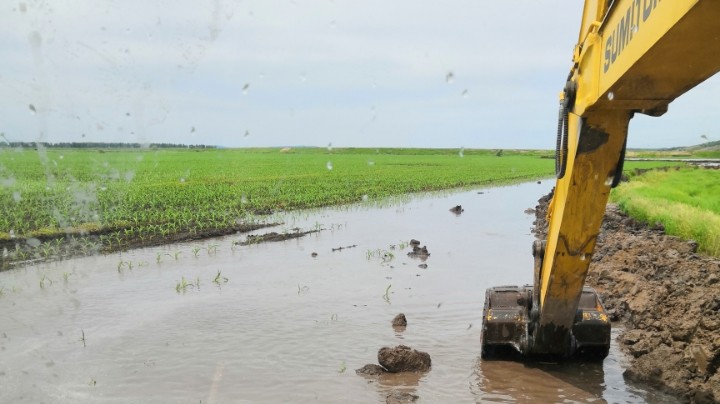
(474, 74)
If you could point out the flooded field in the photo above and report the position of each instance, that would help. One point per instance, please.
(214, 322)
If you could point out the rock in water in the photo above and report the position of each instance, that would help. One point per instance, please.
(399, 321)
(403, 359)
(371, 370)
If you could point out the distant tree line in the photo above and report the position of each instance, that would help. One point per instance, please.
(101, 145)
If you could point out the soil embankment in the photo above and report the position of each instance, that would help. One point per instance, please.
(668, 299)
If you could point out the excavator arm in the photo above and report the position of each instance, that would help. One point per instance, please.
(632, 56)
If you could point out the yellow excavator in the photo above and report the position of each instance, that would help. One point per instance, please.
(632, 56)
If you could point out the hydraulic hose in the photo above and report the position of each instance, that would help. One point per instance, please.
(561, 147)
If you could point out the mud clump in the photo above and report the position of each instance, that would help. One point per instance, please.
(273, 236)
(371, 370)
(667, 297)
(417, 251)
(400, 397)
(457, 210)
(403, 359)
(399, 321)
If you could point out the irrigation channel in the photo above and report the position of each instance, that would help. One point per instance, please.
(281, 325)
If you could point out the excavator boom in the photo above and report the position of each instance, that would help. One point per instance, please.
(632, 56)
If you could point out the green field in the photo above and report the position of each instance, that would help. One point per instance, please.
(159, 192)
(685, 201)
(69, 201)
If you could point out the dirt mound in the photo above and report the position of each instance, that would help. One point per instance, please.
(403, 359)
(667, 297)
(400, 320)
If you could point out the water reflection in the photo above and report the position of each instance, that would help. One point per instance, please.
(514, 381)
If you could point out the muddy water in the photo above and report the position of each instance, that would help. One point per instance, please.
(280, 325)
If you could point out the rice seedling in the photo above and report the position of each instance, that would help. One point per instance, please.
(386, 296)
(182, 285)
(220, 279)
(82, 338)
(45, 280)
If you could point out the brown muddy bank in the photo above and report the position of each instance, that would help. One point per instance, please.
(667, 297)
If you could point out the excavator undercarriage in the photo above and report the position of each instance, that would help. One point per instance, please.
(507, 324)
(510, 322)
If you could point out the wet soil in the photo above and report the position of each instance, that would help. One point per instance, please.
(667, 297)
(273, 236)
(51, 248)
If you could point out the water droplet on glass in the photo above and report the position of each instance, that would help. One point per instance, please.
(365, 198)
(33, 242)
(465, 93)
(449, 77)
(247, 133)
(182, 179)
(611, 96)
(333, 24)
(127, 114)
(103, 188)
(192, 130)
(303, 78)
(243, 199)
(245, 88)
(462, 152)
(371, 163)
(23, 7)
(582, 257)
(329, 147)
(16, 197)
(129, 176)
(634, 29)
(32, 108)
(61, 157)
(609, 180)
(35, 39)
(329, 165)
(12, 233)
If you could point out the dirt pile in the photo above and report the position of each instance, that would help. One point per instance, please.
(667, 297)
(403, 359)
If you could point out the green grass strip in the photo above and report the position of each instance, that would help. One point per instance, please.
(685, 201)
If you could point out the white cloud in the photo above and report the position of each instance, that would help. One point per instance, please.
(315, 71)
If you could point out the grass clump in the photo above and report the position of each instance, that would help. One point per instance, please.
(686, 201)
